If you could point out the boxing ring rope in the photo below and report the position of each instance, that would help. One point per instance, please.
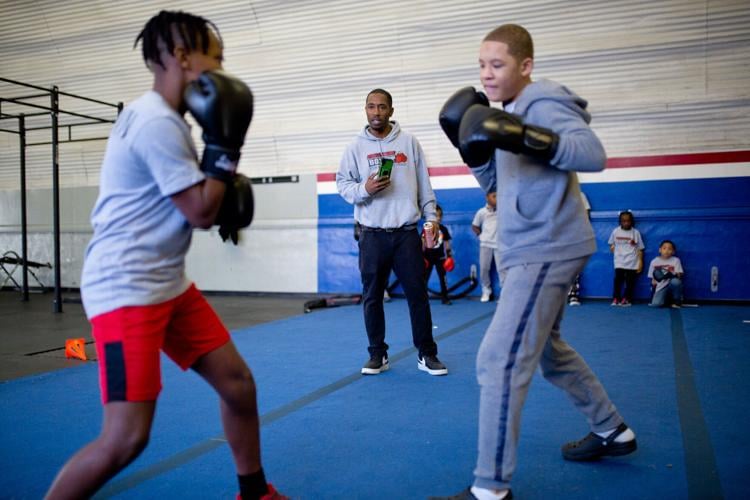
(54, 112)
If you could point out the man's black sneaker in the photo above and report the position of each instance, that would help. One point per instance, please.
(468, 495)
(375, 365)
(594, 447)
(431, 365)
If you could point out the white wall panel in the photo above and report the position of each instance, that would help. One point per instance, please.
(661, 76)
(270, 257)
(278, 253)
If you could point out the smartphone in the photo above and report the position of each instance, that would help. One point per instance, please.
(386, 165)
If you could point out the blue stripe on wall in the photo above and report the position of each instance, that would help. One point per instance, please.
(728, 192)
(708, 219)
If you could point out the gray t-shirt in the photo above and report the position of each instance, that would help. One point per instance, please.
(137, 253)
(486, 220)
(628, 243)
(672, 265)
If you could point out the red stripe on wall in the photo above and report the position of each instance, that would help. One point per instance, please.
(460, 170)
(625, 162)
(328, 177)
(680, 159)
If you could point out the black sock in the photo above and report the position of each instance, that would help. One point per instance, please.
(253, 486)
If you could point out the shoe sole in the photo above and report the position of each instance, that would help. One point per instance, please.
(615, 450)
(508, 496)
(424, 368)
(375, 371)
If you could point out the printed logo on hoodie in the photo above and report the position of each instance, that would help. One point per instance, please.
(373, 159)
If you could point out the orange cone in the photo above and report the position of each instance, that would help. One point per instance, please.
(75, 348)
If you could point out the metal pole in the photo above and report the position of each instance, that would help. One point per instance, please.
(54, 111)
(54, 101)
(24, 233)
(22, 84)
(71, 113)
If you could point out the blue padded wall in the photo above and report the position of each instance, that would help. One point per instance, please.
(708, 219)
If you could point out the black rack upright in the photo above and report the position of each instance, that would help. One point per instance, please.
(54, 111)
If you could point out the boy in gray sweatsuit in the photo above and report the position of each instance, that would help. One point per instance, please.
(529, 153)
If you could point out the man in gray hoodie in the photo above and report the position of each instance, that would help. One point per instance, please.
(384, 175)
(530, 158)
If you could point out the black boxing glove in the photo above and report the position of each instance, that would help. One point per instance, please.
(661, 275)
(237, 207)
(223, 107)
(455, 107)
(484, 129)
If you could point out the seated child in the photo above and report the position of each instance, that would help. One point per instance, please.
(666, 274)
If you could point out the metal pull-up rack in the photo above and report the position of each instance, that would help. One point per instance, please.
(54, 112)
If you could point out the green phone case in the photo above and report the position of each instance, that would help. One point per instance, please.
(386, 166)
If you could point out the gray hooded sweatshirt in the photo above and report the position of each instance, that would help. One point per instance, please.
(410, 195)
(539, 205)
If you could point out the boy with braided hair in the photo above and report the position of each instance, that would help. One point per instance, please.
(134, 288)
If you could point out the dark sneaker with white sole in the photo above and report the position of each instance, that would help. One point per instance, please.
(432, 365)
(376, 365)
(594, 447)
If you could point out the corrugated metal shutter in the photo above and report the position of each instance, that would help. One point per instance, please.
(660, 76)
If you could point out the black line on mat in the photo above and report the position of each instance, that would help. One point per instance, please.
(700, 461)
(119, 486)
(53, 349)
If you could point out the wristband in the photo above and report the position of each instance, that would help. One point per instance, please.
(220, 163)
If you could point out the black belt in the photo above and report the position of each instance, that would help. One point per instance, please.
(407, 227)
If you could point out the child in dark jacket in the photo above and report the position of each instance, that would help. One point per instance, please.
(438, 254)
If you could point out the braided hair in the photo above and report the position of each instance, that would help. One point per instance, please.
(192, 29)
(626, 213)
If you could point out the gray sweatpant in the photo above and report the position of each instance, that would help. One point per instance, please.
(524, 333)
(486, 256)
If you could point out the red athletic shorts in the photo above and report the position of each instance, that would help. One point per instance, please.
(128, 341)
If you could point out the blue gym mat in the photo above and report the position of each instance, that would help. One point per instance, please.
(680, 378)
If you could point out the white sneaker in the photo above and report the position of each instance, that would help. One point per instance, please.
(486, 294)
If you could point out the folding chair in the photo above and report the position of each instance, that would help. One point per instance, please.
(13, 261)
